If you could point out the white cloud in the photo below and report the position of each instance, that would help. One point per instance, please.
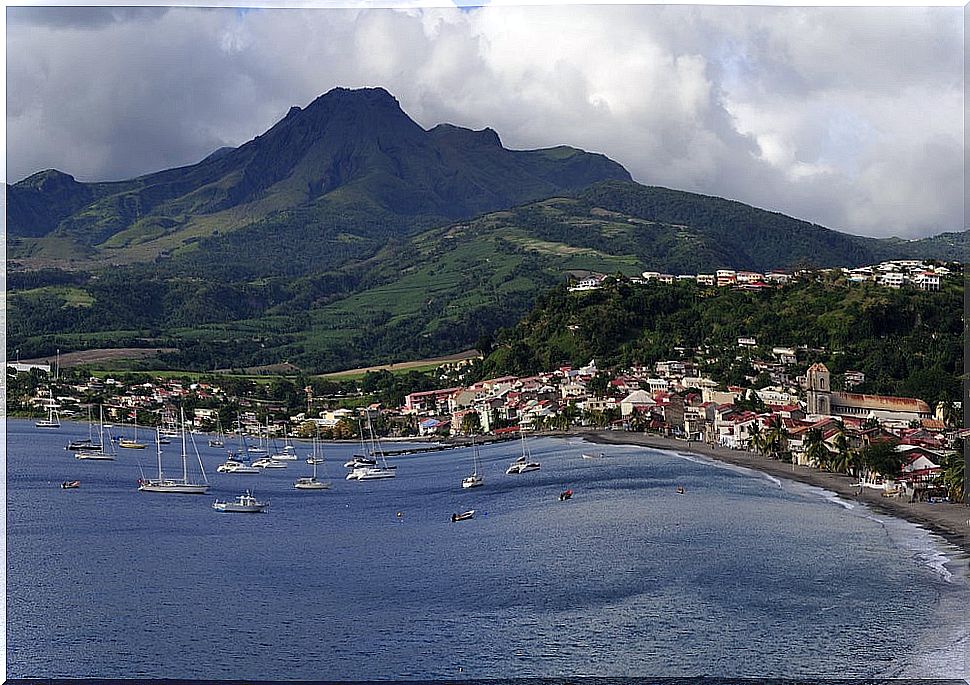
(849, 117)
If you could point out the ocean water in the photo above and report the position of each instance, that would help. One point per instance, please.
(742, 575)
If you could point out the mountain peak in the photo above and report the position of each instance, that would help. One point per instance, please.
(47, 179)
(349, 96)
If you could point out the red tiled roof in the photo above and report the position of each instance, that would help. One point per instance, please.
(881, 402)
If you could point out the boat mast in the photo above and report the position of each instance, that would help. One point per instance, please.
(185, 467)
(158, 451)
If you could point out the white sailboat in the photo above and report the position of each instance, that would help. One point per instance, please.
(181, 486)
(288, 453)
(53, 419)
(237, 462)
(476, 479)
(523, 464)
(373, 472)
(311, 482)
(102, 452)
(220, 439)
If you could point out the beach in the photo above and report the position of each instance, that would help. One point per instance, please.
(950, 521)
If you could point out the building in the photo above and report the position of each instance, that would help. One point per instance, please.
(822, 401)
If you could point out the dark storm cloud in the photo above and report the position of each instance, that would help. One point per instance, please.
(848, 117)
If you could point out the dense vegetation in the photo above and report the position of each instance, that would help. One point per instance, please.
(907, 342)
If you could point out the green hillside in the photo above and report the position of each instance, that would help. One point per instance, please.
(906, 342)
(393, 299)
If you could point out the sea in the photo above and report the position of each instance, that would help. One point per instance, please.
(740, 574)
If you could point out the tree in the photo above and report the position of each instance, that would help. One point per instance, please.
(777, 438)
(816, 451)
(758, 438)
(882, 458)
(471, 423)
(841, 461)
(953, 476)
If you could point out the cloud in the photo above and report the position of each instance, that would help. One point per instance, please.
(852, 118)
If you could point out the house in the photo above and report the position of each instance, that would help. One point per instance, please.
(428, 401)
(784, 355)
(705, 279)
(893, 280)
(726, 277)
(927, 280)
(637, 401)
(777, 277)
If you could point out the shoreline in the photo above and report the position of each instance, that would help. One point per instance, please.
(949, 521)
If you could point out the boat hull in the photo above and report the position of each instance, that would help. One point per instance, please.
(312, 485)
(174, 488)
(94, 456)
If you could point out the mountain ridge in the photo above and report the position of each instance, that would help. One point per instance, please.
(346, 147)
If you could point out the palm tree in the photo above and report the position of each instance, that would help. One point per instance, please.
(842, 461)
(816, 451)
(777, 437)
(757, 438)
(953, 476)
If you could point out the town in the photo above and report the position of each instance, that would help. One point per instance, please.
(789, 409)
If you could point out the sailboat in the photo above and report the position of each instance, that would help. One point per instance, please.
(132, 444)
(53, 419)
(237, 462)
(102, 452)
(220, 439)
(523, 464)
(85, 443)
(476, 479)
(288, 453)
(311, 482)
(373, 472)
(183, 485)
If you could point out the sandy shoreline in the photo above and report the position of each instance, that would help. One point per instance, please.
(950, 521)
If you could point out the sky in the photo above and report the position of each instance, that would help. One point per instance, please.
(848, 117)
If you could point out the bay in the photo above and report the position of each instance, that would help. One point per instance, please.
(740, 575)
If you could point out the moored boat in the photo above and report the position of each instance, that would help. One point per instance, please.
(244, 504)
(267, 463)
(177, 486)
(71, 484)
(464, 516)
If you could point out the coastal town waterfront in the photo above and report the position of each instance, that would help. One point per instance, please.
(660, 562)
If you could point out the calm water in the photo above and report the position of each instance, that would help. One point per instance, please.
(739, 576)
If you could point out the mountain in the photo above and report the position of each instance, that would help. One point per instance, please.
(348, 156)
(347, 235)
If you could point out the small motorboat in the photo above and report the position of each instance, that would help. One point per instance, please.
(244, 504)
(216, 443)
(565, 494)
(587, 455)
(680, 490)
(71, 484)
(464, 516)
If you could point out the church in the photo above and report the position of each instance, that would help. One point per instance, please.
(821, 400)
